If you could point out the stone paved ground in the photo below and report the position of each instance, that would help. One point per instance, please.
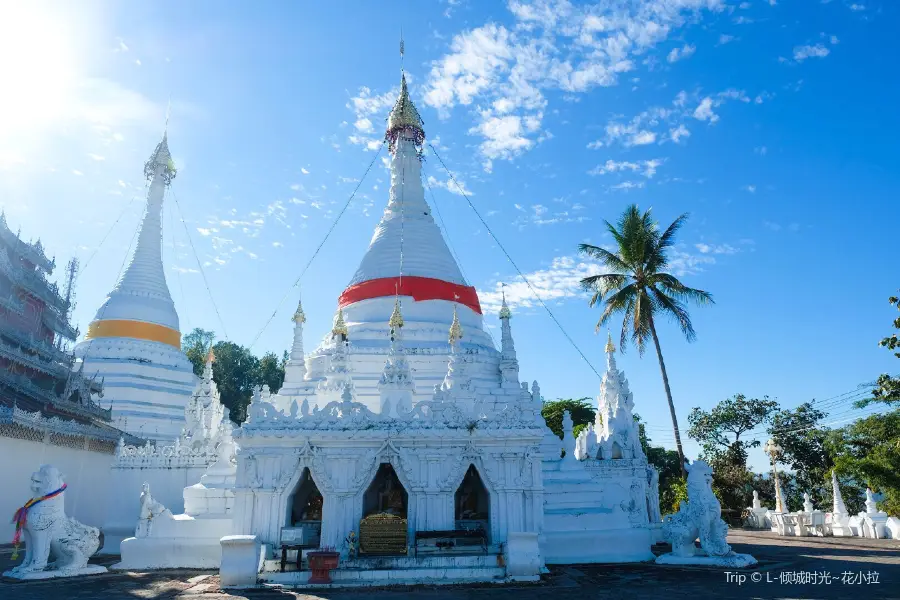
(779, 558)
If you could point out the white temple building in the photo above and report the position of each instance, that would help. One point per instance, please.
(407, 417)
(134, 341)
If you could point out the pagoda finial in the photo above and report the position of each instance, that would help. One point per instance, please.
(610, 348)
(299, 316)
(210, 356)
(456, 331)
(340, 328)
(161, 158)
(396, 320)
(505, 313)
(404, 120)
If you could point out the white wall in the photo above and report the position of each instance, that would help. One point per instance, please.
(87, 474)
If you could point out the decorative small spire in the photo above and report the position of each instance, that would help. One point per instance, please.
(396, 320)
(456, 331)
(161, 157)
(610, 348)
(505, 313)
(340, 328)
(210, 356)
(299, 316)
(404, 120)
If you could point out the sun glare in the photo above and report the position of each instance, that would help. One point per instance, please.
(37, 67)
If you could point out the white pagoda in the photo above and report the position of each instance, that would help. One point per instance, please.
(406, 426)
(134, 341)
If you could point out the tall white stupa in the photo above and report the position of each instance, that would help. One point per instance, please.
(408, 260)
(134, 341)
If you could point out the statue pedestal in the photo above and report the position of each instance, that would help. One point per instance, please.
(760, 518)
(873, 525)
(840, 525)
(35, 575)
(733, 560)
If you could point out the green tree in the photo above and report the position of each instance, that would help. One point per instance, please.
(236, 372)
(731, 417)
(637, 286)
(868, 451)
(271, 371)
(803, 440)
(672, 488)
(888, 388)
(714, 429)
(580, 410)
(196, 346)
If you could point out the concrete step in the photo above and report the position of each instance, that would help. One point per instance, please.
(378, 577)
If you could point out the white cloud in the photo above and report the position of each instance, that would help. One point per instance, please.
(501, 73)
(716, 248)
(647, 168)
(277, 245)
(77, 172)
(303, 170)
(749, 188)
(704, 111)
(627, 186)
(801, 53)
(679, 133)
(857, 7)
(96, 157)
(642, 138)
(681, 53)
(450, 186)
(761, 150)
(725, 39)
(561, 281)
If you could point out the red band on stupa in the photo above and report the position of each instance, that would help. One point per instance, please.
(420, 288)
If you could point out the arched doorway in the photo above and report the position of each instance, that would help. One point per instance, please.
(472, 502)
(385, 495)
(305, 510)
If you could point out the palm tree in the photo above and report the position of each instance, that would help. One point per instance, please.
(638, 287)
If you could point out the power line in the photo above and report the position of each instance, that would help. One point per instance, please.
(452, 247)
(97, 249)
(322, 243)
(515, 266)
(199, 265)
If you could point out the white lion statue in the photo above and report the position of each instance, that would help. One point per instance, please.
(150, 509)
(47, 530)
(698, 516)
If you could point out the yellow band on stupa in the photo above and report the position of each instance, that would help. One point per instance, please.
(134, 329)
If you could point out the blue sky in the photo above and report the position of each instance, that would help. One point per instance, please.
(772, 122)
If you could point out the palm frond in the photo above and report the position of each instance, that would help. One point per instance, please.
(667, 239)
(618, 302)
(603, 284)
(675, 309)
(673, 286)
(610, 259)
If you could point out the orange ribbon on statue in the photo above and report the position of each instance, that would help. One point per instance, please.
(420, 288)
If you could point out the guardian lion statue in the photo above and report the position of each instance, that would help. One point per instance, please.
(699, 516)
(48, 531)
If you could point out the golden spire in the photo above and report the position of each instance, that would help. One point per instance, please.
(610, 349)
(505, 313)
(396, 320)
(404, 119)
(340, 328)
(299, 316)
(210, 356)
(456, 331)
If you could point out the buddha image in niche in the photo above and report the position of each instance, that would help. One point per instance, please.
(390, 497)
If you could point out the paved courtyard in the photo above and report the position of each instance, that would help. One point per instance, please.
(789, 568)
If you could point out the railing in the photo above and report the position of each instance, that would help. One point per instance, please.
(33, 360)
(12, 303)
(38, 345)
(33, 253)
(23, 385)
(58, 323)
(35, 421)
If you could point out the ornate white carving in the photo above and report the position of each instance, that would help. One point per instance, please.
(49, 531)
(150, 509)
(700, 516)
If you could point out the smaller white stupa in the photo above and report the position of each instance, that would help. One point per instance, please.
(134, 341)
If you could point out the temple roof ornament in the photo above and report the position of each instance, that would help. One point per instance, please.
(339, 328)
(505, 313)
(299, 316)
(610, 348)
(396, 320)
(456, 331)
(161, 158)
(210, 356)
(404, 120)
